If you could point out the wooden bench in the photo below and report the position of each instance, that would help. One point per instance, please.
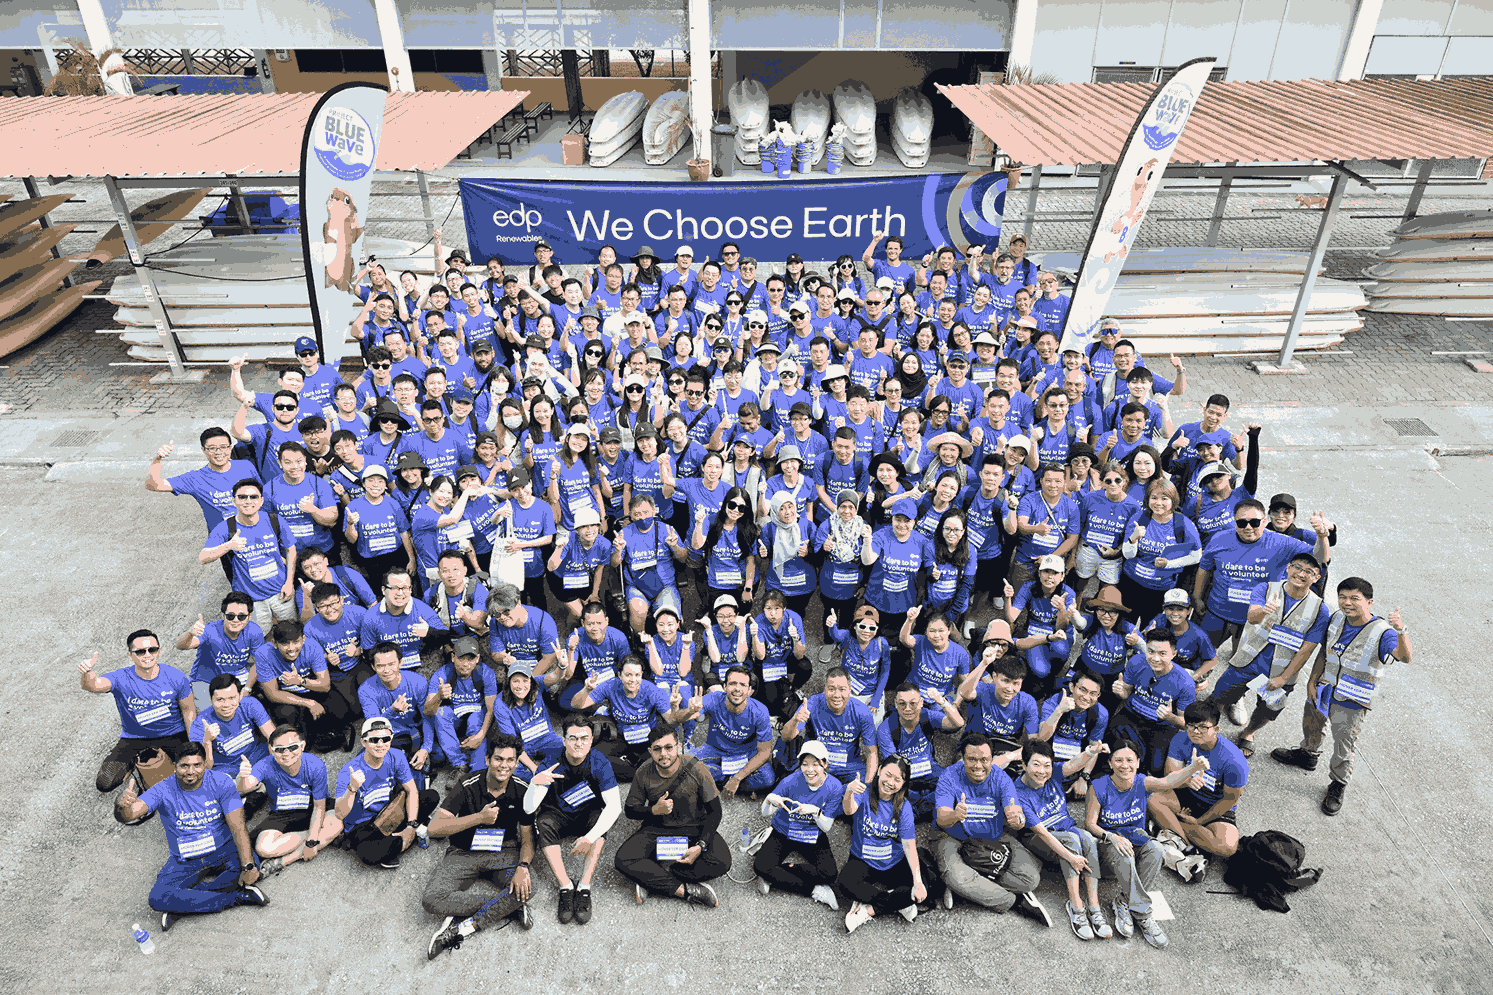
(543, 110)
(161, 89)
(513, 112)
(503, 144)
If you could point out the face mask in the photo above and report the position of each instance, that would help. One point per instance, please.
(513, 421)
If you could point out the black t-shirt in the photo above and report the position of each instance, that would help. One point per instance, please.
(471, 796)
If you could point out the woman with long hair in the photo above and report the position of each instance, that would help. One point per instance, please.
(905, 320)
(951, 576)
(844, 278)
(726, 544)
(1142, 465)
(885, 475)
(1041, 617)
(542, 441)
(938, 502)
(885, 871)
(574, 484)
(647, 275)
(520, 711)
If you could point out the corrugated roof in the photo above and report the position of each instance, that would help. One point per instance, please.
(212, 134)
(1074, 124)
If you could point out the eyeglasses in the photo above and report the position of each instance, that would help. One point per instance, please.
(248, 497)
(1249, 523)
(393, 589)
(787, 376)
(736, 506)
(217, 449)
(145, 651)
(293, 747)
(1201, 726)
(378, 739)
(286, 407)
(380, 366)
(235, 616)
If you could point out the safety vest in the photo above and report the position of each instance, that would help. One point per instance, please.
(1355, 673)
(1257, 634)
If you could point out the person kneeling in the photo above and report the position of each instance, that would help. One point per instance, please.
(803, 808)
(677, 849)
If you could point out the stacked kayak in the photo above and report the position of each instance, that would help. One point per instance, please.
(810, 121)
(616, 128)
(912, 128)
(1441, 264)
(666, 127)
(747, 100)
(855, 108)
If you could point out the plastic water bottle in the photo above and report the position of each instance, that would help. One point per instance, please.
(143, 940)
(746, 836)
(422, 837)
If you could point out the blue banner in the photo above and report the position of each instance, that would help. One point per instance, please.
(821, 219)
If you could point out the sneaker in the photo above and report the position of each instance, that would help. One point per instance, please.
(582, 906)
(1124, 922)
(448, 937)
(1332, 801)
(251, 895)
(763, 888)
(168, 919)
(825, 895)
(1028, 906)
(701, 894)
(1100, 926)
(1237, 713)
(1295, 757)
(910, 913)
(857, 916)
(639, 894)
(566, 910)
(1193, 869)
(1079, 921)
(948, 898)
(1151, 931)
(392, 864)
(272, 866)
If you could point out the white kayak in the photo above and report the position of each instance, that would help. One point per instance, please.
(912, 158)
(1450, 307)
(1440, 272)
(260, 257)
(220, 317)
(1183, 259)
(912, 118)
(855, 107)
(1213, 299)
(810, 120)
(1426, 290)
(616, 128)
(225, 338)
(1456, 224)
(1438, 250)
(747, 100)
(666, 127)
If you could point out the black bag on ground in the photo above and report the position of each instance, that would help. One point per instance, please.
(987, 858)
(1267, 868)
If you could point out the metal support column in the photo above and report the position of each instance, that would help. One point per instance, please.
(1031, 203)
(1285, 364)
(169, 341)
(1422, 177)
(424, 183)
(266, 78)
(236, 197)
(32, 191)
(1219, 207)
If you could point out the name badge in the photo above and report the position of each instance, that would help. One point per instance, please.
(877, 849)
(287, 802)
(461, 710)
(534, 730)
(264, 570)
(734, 764)
(922, 768)
(382, 543)
(728, 577)
(1289, 638)
(1065, 749)
(1035, 628)
(1239, 595)
(1210, 781)
(461, 530)
(802, 831)
(376, 796)
(894, 584)
(794, 578)
(838, 756)
(410, 660)
(1144, 571)
(1054, 819)
(845, 574)
(489, 838)
(980, 808)
(239, 743)
(196, 846)
(1354, 689)
(575, 581)
(151, 715)
(635, 734)
(579, 795)
(774, 671)
(301, 530)
(672, 848)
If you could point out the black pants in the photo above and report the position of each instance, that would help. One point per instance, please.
(1143, 602)
(844, 610)
(121, 760)
(778, 695)
(533, 594)
(799, 879)
(888, 890)
(281, 822)
(626, 758)
(891, 631)
(373, 847)
(637, 860)
(1154, 737)
(345, 690)
(322, 733)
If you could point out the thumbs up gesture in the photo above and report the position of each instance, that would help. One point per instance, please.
(421, 629)
(857, 787)
(1395, 621)
(1199, 762)
(238, 543)
(445, 691)
(210, 731)
(352, 518)
(961, 811)
(355, 779)
(664, 805)
(244, 767)
(165, 450)
(199, 628)
(306, 504)
(1065, 704)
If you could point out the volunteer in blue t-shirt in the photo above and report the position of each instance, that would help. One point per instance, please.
(1238, 559)
(371, 781)
(802, 808)
(211, 485)
(262, 552)
(635, 706)
(1001, 708)
(909, 733)
(227, 728)
(460, 705)
(1156, 692)
(885, 872)
(224, 646)
(1052, 834)
(738, 745)
(1204, 810)
(211, 867)
(842, 723)
(297, 825)
(154, 703)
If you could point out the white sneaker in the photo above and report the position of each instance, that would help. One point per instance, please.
(1238, 714)
(1079, 921)
(763, 888)
(948, 898)
(910, 913)
(825, 895)
(857, 915)
(1098, 923)
(639, 894)
(1193, 869)
(1124, 922)
(1152, 932)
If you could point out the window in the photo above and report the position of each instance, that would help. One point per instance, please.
(432, 60)
(340, 60)
(1148, 74)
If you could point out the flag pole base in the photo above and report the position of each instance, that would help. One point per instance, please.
(1265, 369)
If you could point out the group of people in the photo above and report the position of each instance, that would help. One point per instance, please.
(623, 553)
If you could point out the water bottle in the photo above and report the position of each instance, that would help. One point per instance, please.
(143, 940)
(422, 837)
(746, 836)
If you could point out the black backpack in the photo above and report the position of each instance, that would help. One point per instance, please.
(1267, 868)
(232, 521)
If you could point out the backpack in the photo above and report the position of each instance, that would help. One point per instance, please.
(1179, 531)
(465, 601)
(987, 858)
(923, 723)
(1267, 868)
(232, 521)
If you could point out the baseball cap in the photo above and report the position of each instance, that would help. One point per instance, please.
(800, 305)
(956, 356)
(885, 283)
(635, 318)
(542, 244)
(1020, 442)
(464, 646)
(905, 507)
(481, 345)
(721, 343)
(1281, 500)
(757, 315)
(814, 748)
(534, 342)
(684, 250)
(579, 428)
(801, 409)
(376, 722)
(591, 311)
(724, 601)
(1052, 562)
(467, 471)
(461, 394)
(525, 667)
(518, 477)
(305, 344)
(1176, 596)
(375, 470)
(611, 435)
(769, 346)
(845, 294)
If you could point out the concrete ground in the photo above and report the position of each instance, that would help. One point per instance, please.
(1401, 907)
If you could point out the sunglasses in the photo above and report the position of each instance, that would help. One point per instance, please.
(1249, 523)
(787, 376)
(235, 616)
(380, 366)
(246, 496)
(378, 739)
(694, 393)
(736, 506)
(755, 324)
(1114, 480)
(737, 303)
(291, 748)
(730, 253)
(307, 352)
(676, 383)
(634, 390)
(388, 421)
(863, 627)
(286, 407)
(146, 651)
(593, 353)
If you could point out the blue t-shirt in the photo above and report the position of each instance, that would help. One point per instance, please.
(1051, 314)
(284, 498)
(637, 715)
(1046, 806)
(601, 659)
(1175, 688)
(529, 642)
(218, 654)
(443, 456)
(339, 636)
(914, 745)
(235, 739)
(986, 802)
(892, 587)
(531, 723)
(829, 797)
(380, 526)
(578, 564)
(468, 694)
(195, 821)
(869, 666)
(901, 274)
(1062, 519)
(845, 735)
(213, 491)
(878, 831)
(149, 709)
(1194, 648)
(379, 784)
(1226, 766)
(1075, 730)
(989, 717)
(380, 625)
(734, 736)
(1123, 812)
(1238, 567)
(1142, 567)
(937, 671)
(795, 575)
(725, 560)
(376, 699)
(1105, 651)
(1104, 520)
(289, 792)
(258, 571)
(528, 524)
